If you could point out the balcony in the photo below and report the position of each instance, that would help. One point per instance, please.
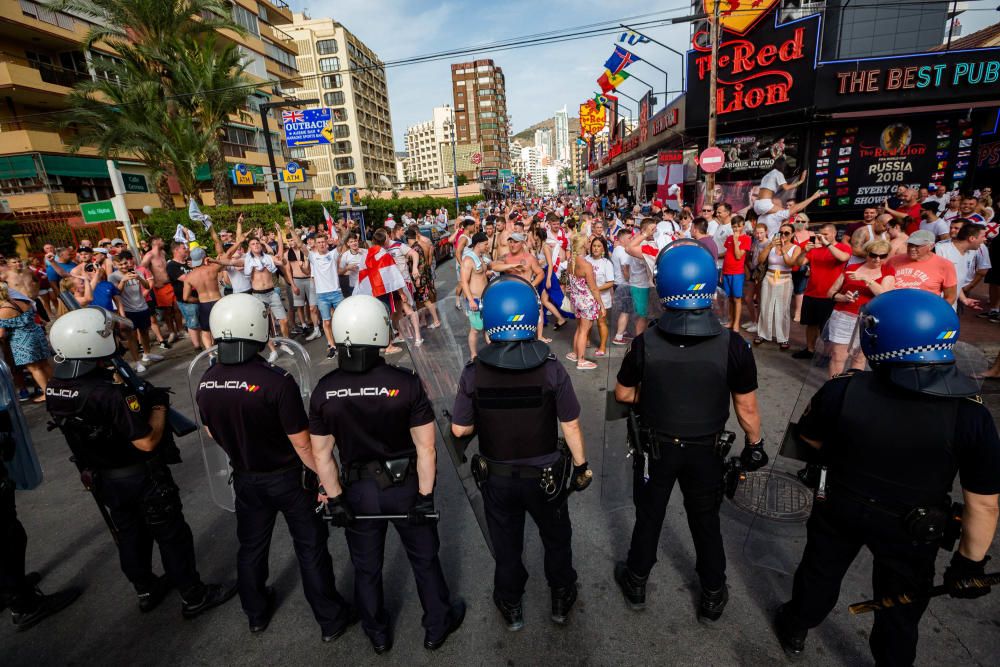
(278, 36)
(35, 16)
(278, 11)
(36, 138)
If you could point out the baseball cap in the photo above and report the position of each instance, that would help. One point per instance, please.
(520, 238)
(479, 237)
(117, 242)
(85, 248)
(197, 257)
(103, 251)
(921, 237)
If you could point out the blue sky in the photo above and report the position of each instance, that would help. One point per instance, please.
(540, 79)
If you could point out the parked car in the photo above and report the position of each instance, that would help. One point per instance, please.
(443, 249)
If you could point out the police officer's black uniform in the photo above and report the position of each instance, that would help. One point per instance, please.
(516, 414)
(100, 418)
(686, 383)
(370, 414)
(251, 408)
(891, 453)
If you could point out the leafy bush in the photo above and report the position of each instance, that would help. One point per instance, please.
(307, 212)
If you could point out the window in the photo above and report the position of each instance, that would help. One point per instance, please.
(346, 179)
(485, 91)
(329, 64)
(341, 147)
(280, 55)
(343, 163)
(341, 131)
(339, 115)
(325, 47)
(237, 141)
(485, 80)
(254, 62)
(298, 153)
(334, 99)
(245, 18)
(332, 81)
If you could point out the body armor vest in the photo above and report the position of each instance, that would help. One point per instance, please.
(515, 414)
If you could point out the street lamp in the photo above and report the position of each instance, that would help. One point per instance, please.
(453, 128)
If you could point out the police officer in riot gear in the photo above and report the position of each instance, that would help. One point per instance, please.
(515, 394)
(122, 445)
(680, 376)
(381, 422)
(254, 411)
(892, 440)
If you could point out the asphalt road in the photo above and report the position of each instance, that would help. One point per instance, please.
(70, 546)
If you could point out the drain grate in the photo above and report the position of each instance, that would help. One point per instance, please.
(777, 496)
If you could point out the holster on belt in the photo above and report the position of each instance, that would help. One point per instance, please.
(553, 479)
(390, 472)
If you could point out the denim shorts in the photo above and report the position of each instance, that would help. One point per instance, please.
(189, 311)
(272, 299)
(327, 301)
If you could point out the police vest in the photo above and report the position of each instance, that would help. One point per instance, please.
(895, 445)
(515, 413)
(685, 390)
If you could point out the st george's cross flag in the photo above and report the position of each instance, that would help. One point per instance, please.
(331, 229)
(380, 274)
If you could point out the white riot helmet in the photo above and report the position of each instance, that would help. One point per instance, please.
(360, 328)
(80, 339)
(239, 326)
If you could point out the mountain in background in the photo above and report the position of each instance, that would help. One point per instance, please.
(528, 135)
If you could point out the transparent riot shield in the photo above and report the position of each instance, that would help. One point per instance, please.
(293, 358)
(23, 467)
(439, 361)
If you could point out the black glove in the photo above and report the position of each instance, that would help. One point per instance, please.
(963, 568)
(158, 396)
(338, 512)
(422, 506)
(582, 477)
(753, 457)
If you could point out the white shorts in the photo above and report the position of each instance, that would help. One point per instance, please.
(762, 206)
(841, 326)
(307, 292)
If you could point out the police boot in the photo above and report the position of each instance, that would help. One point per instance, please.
(31, 608)
(202, 598)
(633, 587)
(151, 596)
(513, 614)
(792, 641)
(455, 617)
(563, 600)
(30, 581)
(713, 603)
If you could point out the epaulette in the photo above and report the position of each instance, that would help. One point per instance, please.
(975, 399)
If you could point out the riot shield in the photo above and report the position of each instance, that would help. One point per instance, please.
(439, 361)
(217, 465)
(24, 467)
(619, 450)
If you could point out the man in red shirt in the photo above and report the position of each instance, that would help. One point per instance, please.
(908, 207)
(827, 259)
(920, 268)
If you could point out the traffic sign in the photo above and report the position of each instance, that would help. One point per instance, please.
(135, 183)
(477, 158)
(308, 127)
(505, 174)
(97, 211)
(241, 175)
(712, 160)
(293, 173)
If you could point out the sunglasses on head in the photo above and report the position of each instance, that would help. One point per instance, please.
(874, 255)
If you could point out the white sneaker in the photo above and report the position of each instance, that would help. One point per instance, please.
(139, 368)
(746, 326)
(287, 350)
(314, 335)
(752, 328)
(272, 357)
(146, 358)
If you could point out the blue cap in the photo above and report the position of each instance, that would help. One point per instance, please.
(908, 326)
(686, 276)
(510, 309)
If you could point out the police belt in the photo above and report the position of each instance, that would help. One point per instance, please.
(257, 473)
(840, 490)
(653, 442)
(132, 470)
(514, 471)
(386, 473)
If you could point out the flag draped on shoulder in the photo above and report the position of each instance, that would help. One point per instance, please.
(380, 274)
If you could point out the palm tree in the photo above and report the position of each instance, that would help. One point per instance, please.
(210, 85)
(566, 175)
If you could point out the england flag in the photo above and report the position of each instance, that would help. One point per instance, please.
(380, 275)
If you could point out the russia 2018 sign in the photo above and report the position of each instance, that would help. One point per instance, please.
(768, 71)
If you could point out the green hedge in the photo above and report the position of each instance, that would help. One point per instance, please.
(307, 212)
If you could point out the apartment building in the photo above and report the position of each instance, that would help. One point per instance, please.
(480, 102)
(349, 78)
(43, 57)
(424, 143)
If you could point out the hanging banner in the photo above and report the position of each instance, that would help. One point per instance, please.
(861, 164)
(592, 120)
(669, 174)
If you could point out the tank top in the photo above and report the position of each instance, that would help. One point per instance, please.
(774, 261)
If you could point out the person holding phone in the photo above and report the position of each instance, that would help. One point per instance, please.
(826, 258)
(775, 318)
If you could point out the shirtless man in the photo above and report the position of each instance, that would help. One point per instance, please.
(463, 236)
(523, 264)
(472, 282)
(21, 278)
(305, 301)
(262, 269)
(203, 280)
(163, 294)
(878, 229)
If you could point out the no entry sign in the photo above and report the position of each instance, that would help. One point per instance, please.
(712, 160)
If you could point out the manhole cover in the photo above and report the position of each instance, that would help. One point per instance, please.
(778, 496)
